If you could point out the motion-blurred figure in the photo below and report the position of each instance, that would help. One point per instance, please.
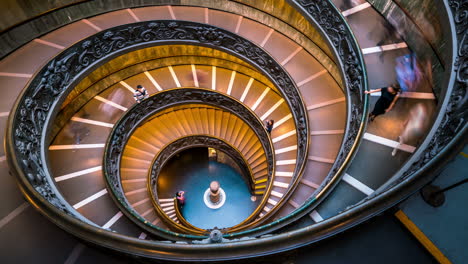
(407, 72)
(77, 130)
(389, 35)
(389, 31)
(117, 97)
(348, 4)
(413, 74)
(414, 126)
(203, 78)
(180, 198)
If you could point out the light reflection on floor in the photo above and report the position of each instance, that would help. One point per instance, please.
(391, 124)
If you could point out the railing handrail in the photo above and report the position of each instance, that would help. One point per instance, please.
(139, 113)
(180, 216)
(360, 124)
(141, 244)
(211, 37)
(277, 243)
(153, 173)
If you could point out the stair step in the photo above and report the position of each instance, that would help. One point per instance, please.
(261, 181)
(260, 167)
(169, 211)
(256, 148)
(231, 125)
(172, 216)
(167, 204)
(258, 158)
(260, 187)
(224, 124)
(277, 194)
(272, 202)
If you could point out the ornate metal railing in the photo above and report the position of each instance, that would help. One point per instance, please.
(34, 112)
(451, 123)
(35, 109)
(447, 136)
(348, 54)
(180, 216)
(37, 106)
(181, 144)
(139, 113)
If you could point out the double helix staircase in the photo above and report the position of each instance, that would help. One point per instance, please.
(75, 153)
(178, 123)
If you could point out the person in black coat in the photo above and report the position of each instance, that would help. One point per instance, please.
(386, 101)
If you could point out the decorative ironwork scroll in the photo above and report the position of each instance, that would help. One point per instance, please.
(191, 142)
(40, 101)
(456, 113)
(185, 143)
(139, 113)
(335, 29)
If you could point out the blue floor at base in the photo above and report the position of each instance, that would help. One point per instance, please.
(237, 207)
(192, 172)
(446, 226)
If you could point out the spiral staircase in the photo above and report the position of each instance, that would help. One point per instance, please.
(87, 157)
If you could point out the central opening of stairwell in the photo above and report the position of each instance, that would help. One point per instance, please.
(192, 171)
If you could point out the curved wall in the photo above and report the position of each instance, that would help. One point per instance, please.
(22, 10)
(36, 18)
(276, 14)
(423, 25)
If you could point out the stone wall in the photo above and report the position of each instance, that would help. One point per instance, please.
(424, 27)
(22, 10)
(275, 13)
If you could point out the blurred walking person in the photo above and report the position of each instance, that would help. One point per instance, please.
(414, 126)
